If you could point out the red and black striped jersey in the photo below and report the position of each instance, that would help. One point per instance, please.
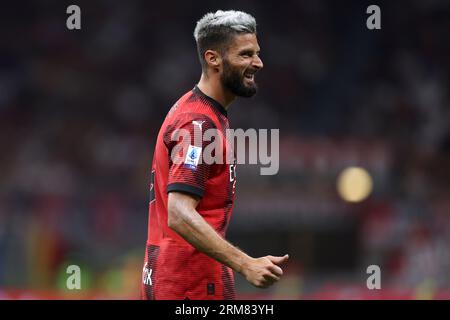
(179, 166)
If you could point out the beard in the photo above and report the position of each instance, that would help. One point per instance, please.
(232, 79)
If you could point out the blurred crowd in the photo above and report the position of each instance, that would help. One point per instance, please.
(80, 111)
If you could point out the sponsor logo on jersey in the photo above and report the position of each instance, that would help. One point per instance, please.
(198, 123)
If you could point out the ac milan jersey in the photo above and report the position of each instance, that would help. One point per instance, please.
(173, 268)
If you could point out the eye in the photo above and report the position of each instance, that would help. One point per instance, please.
(247, 54)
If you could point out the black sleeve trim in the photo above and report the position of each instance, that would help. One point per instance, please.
(182, 187)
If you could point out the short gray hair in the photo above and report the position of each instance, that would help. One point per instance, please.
(214, 30)
(237, 21)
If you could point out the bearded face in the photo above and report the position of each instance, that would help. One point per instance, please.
(239, 82)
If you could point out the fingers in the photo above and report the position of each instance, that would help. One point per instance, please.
(267, 271)
(279, 260)
(271, 277)
(267, 281)
(276, 270)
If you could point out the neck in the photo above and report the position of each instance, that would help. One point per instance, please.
(212, 87)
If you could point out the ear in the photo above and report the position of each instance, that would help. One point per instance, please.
(213, 59)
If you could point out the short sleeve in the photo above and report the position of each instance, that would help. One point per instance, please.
(188, 172)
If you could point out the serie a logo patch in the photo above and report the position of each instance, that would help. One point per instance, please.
(192, 157)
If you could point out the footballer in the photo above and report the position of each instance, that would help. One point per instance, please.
(191, 201)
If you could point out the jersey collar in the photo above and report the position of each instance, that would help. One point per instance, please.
(213, 102)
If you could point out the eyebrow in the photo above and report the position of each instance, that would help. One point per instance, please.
(243, 51)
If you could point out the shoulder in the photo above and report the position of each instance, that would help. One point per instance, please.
(192, 111)
(189, 111)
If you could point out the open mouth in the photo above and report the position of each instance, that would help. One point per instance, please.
(249, 76)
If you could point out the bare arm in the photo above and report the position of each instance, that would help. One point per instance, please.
(184, 219)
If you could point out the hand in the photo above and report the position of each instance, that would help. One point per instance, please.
(265, 271)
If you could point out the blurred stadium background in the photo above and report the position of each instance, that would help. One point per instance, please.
(80, 110)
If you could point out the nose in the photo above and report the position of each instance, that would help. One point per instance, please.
(257, 62)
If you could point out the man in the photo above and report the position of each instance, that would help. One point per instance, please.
(191, 201)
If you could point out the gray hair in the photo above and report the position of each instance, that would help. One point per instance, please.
(237, 21)
(215, 30)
